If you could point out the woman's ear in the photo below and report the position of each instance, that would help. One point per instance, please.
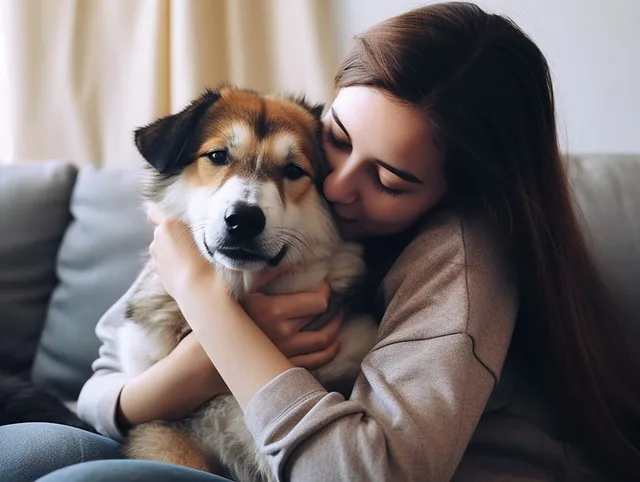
(164, 143)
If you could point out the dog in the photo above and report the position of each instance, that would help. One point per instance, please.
(244, 171)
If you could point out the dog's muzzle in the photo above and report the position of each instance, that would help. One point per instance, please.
(244, 223)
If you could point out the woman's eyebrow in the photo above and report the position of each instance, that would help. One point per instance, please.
(340, 125)
(402, 174)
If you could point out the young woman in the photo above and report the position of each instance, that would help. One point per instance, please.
(499, 355)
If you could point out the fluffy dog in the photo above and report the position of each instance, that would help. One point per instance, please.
(244, 172)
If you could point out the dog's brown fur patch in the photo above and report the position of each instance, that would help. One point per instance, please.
(264, 125)
(160, 442)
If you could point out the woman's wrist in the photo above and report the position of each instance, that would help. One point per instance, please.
(171, 388)
(199, 294)
(202, 281)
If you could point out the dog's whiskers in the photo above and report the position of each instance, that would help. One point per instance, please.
(293, 241)
(297, 235)
(303, 257)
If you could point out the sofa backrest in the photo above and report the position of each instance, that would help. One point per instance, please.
(34, 214)
(607, 191)
(103, 246)
(102, 251)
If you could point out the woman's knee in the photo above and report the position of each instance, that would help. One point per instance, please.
(126, 470)
(30, 450)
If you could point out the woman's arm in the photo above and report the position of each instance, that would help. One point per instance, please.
(245, 357)
(172, 388)
(451, 310)
(111, 401)
(241, 352)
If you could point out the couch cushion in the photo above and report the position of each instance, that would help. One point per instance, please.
(607, 189)
(34, 213)
(101, 254)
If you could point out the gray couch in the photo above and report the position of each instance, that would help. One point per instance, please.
(72, 241)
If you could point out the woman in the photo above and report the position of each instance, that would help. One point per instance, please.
(445, 163)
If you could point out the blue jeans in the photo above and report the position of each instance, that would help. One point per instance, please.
(57, 453)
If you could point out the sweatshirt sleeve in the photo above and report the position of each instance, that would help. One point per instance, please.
(99, 396)
(451, 308)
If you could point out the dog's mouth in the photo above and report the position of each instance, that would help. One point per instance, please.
(244, 255)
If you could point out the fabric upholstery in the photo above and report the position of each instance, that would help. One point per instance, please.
(101, 253)
(34, 214)
(607, 190)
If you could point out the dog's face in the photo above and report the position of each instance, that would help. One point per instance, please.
(243, 170)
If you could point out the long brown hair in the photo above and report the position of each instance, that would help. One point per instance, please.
(486, 88)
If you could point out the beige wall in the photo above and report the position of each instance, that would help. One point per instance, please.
(593, 47)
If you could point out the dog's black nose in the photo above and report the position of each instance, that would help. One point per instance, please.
(244, 221)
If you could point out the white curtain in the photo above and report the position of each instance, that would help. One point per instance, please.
(80, 75)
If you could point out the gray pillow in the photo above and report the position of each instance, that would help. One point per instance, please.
(607, 189)
(100, 256)
(34, 214)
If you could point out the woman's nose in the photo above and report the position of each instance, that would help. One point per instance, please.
(340, 185)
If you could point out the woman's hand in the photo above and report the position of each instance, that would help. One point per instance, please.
(282, 318)
(175, 256)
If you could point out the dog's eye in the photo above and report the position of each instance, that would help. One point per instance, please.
(293, 172)
(218, 158)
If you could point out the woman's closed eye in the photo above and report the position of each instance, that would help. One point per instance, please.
(388, 190)
(381, 185)
(376, 177)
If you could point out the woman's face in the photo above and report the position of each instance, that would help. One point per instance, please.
(386, 170)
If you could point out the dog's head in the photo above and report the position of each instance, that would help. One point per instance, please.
(244, 172)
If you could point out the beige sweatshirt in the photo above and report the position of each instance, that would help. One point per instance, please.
(451, 307)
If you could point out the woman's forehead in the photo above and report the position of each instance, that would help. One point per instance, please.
(384, 128)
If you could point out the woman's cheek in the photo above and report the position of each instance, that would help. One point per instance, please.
(383, 209)
(394, 211)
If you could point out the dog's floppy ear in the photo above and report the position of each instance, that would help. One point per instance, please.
(165, 143)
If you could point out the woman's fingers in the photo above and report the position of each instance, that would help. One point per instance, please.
(287, 329)
(270, 275)
(308, 342)
(313, 361)
(299, 305)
